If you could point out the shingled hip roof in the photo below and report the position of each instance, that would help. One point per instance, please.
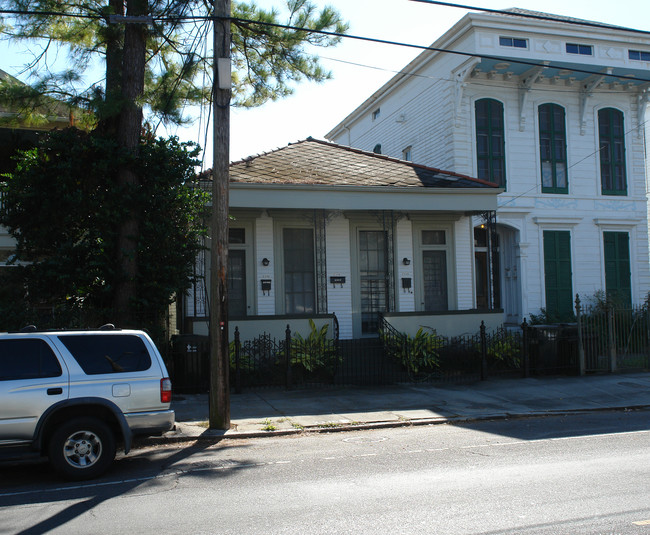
(315, 162)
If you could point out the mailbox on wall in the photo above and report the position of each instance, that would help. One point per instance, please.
(266, 286)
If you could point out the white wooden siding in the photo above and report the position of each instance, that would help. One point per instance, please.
(464, 261)
(264, 249)
(441, 138)
(404, 249)
(339, 298)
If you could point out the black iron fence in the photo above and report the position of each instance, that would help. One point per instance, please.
(602, 339)
(390, 358)
(613, 338)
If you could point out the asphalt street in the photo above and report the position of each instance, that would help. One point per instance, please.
(577, 473)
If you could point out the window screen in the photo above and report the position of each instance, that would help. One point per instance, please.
(99, 354)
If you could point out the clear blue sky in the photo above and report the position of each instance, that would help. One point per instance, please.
(316, 108)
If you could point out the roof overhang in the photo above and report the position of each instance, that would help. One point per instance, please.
(414, 199)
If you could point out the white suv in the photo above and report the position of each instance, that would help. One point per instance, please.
(73, 396)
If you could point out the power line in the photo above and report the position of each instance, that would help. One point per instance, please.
(248, 22)
(245, 22)
(536, 15)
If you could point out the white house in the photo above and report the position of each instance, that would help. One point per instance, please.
(554, 111)
(318, 229)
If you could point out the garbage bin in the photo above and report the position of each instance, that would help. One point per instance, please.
(567, 348)
(543, 350)
(191, 363)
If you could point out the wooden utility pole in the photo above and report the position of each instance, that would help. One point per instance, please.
(219, 354)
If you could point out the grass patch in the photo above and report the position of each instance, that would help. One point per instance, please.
(328, 425)
(267, 425)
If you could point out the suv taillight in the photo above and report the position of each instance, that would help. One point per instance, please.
(166, 390)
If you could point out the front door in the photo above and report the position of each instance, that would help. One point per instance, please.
(434, 267)
(617, 268)
(557, 275)
(237, 282)
(509, 263)
(299, 271)
(373, 276)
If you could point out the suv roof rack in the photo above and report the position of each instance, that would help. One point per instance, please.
(34, 329)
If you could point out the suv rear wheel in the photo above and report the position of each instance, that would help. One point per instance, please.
(82, 448)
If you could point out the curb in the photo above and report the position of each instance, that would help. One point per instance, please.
(214, 436)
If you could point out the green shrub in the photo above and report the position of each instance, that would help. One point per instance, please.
(315, 352)
(416, 353)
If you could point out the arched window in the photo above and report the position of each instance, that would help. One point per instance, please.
(490, 141)
(552, 148)
(611, 135)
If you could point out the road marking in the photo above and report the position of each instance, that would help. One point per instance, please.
(642, 523)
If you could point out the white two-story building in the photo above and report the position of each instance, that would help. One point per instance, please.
(553, 110)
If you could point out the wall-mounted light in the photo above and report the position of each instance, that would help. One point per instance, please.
(265, 262)
(406, 261)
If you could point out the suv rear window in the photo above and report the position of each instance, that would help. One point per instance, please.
(27, 359)
(100, 354)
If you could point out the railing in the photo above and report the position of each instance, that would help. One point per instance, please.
(600, 340)
(613, 338)
(391, 358)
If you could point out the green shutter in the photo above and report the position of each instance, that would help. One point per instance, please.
(552, 147)
(611, 136)
(617, 267)
(557, 274)
(490, 141)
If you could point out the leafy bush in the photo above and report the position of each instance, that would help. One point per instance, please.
(316, 351)
(504, 348)
(63, 205)
(416, 353)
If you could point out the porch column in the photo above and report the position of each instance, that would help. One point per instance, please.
(492, 255)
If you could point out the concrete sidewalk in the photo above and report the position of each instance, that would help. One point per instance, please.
(276, 411)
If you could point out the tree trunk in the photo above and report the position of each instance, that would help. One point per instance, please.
(128, 136)
(109, 114)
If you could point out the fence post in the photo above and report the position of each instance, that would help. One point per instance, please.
(524, 343)
(581, 348)
(287, 350)
(483, 352)
(611, 339)
(237, 362)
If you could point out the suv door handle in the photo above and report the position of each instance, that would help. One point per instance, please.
(54, 391)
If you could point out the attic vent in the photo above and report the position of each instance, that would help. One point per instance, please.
(639, 55)
(514, 42)
(377, 149)
(576, 48)
(376, 114)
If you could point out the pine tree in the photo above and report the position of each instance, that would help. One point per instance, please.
(153, 67)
